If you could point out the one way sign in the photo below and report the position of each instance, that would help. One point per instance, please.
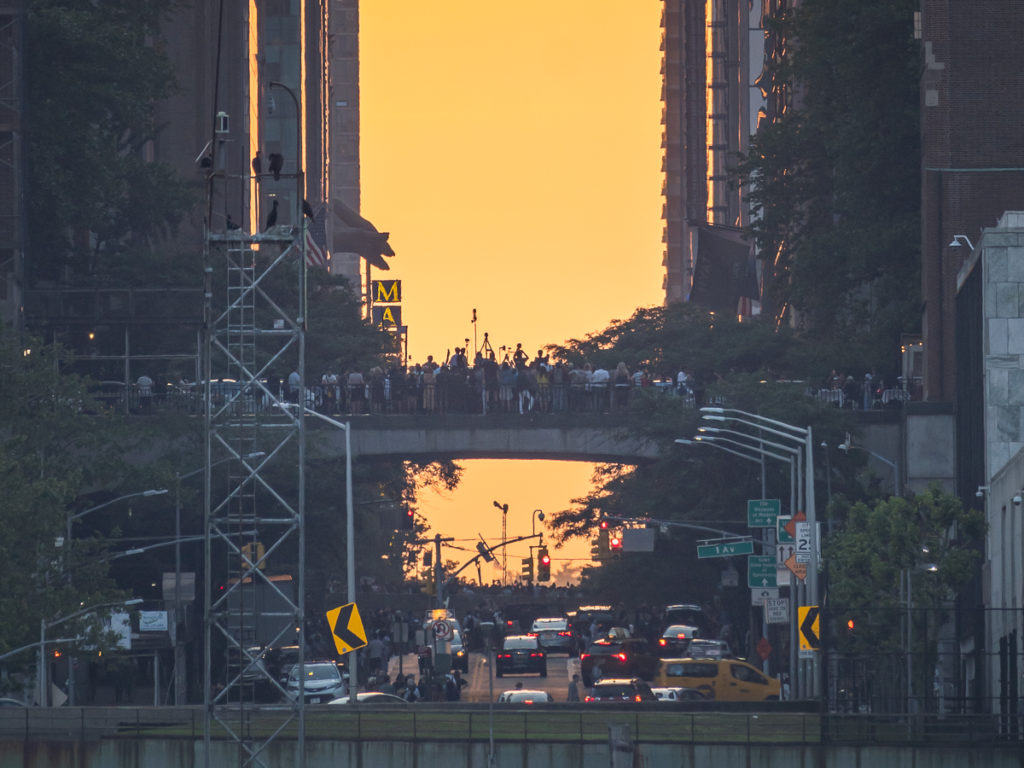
(346, 628)
(810, 631)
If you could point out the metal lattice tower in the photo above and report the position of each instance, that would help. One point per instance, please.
(255, 479)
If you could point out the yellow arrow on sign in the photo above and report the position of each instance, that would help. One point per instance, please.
(346, 628)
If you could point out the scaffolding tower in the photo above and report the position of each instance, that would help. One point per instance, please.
(255, 315)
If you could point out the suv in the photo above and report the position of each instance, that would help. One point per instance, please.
(690, 614)
(554, 634)
(321, 682)
(621, 689)
(626, 657)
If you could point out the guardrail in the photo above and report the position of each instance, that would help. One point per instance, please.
(558, 723)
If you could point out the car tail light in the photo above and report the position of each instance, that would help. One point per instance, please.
(620, 656)
(663, 641)
(589, 698)
(584, 656)
(504, 655)
(637, 698)
(535, 655)
(565, 634)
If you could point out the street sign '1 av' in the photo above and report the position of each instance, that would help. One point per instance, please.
(346, 628)
(725, 549)
(762, 513)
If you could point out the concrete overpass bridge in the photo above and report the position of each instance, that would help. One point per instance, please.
(593, 437)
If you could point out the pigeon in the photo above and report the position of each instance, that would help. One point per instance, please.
(276, 164)
(307, 209)
(257, 164)
(271, 217)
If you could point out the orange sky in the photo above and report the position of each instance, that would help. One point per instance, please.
(513, 151)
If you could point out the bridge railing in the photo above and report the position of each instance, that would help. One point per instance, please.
(458, 397)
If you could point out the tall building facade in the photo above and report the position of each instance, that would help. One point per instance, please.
(714, 97)
(972, 165)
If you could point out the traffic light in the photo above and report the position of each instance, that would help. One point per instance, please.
(543, 564)
(602, 543)
(409, 519)
(528, 568)
(615, 544)
(485, 553)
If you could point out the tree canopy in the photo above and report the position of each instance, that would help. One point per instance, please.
(100, 203)
(834, 181)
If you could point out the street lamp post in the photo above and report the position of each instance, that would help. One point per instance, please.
(43, 683)
(802, 436)
(538, 514)
(897, 480)
(70, 521)
(717, 442)
(350, 532)
(504, 538)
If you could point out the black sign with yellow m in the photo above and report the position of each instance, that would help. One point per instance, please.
(386, 291)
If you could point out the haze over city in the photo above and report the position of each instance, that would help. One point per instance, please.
(514, 153)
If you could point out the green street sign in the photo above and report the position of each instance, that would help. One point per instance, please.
(761, 571)
(782, 535)
(762, 513)
(725, 549)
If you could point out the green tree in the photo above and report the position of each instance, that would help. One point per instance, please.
(100, 204)
(834, 181)
(929, 537)
(49, 453)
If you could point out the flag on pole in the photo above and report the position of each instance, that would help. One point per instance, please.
(316, 240)
(315, 256)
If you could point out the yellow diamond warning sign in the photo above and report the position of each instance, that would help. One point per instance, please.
(346, 628)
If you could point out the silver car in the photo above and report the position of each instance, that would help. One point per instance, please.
(321, 682)
(553, 634)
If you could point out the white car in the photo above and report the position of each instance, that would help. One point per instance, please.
(371, 697)
(678, 694)
(523, 696)
(321, 680)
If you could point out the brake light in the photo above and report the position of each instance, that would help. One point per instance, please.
(565, 634)
(620, 656)
(584, 656)
(504, 655)
(589, 698)
(663, 641)
(637, 698)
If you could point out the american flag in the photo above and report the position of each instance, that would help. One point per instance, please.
(316, 240)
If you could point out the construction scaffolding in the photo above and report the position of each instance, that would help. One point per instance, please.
(255, 315)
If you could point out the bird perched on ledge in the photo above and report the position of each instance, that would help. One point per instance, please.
(271, 217)
(276, 164)
(257, 164)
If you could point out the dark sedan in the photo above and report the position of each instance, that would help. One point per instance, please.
(520, 653)
(625, 657)
(675, 640)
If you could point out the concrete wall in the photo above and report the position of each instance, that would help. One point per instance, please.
(183, 753)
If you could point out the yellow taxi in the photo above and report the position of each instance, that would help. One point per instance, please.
(720, 679)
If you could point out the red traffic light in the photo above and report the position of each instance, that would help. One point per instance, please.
(545, 559)
(615, 542)
(604, 525)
